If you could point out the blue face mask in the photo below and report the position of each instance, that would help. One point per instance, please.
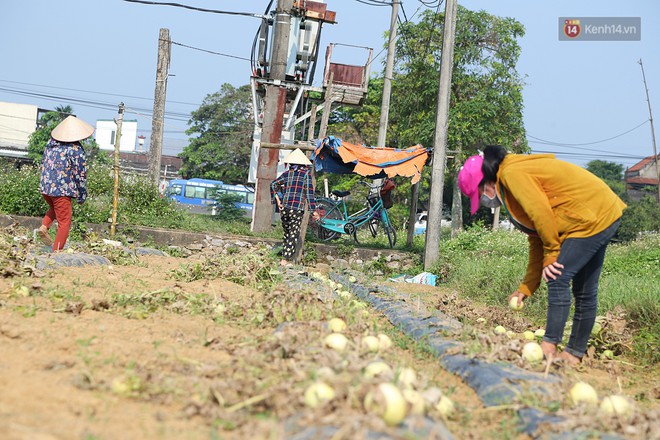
(488, 202)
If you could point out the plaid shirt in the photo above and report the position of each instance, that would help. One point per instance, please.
(295, 188)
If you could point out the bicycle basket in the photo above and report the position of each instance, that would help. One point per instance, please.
(387, 199)
(373, 199)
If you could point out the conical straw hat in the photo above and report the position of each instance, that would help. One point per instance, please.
(72, 129)
(297, 157)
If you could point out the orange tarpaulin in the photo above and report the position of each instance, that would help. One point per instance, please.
(371, 161)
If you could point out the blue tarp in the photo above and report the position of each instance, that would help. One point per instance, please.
(326, 158)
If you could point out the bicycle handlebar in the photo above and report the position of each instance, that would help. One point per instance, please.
(372, 187)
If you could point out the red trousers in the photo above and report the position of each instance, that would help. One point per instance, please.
(60, 210)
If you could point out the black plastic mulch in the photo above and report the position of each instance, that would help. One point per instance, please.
(494, 384)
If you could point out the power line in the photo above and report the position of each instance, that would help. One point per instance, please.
(587, 155)
(194, 8)
(374, 2)
(91, 91)
(431, 4)
(211, 52)
(432, 28)
(620, 158)
(93, 104)
(586, 143)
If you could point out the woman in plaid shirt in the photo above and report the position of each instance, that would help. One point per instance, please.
(291, 191)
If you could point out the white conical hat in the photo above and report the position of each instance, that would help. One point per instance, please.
(297, 157)
(72, 129)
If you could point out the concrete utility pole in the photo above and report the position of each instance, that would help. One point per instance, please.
(432, 244)
(387, 80)
(655, 152)
(157, 121)
(274, 104)
(385, 113)
(115, 197)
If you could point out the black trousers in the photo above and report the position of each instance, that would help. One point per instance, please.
(291, 221)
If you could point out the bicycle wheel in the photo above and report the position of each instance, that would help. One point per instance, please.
(389, 229)
(391, 235)
(332, 212)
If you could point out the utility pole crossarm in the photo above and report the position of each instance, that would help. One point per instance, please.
(303, 146)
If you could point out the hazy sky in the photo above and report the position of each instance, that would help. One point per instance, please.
(583, 100)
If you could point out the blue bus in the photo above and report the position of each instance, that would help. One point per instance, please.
(198, 194)
(246, 193)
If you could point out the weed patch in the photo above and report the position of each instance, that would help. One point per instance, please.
(253, 268)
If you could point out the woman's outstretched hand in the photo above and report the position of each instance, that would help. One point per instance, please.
(519, 295)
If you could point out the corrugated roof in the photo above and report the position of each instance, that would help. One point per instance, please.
(642, 180)
(641, 164)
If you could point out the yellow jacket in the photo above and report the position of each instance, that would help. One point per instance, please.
(552, 200)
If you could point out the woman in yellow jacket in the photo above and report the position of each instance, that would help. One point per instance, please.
(569, 214)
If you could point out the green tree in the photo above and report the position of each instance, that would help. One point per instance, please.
(640, 217)
(48, 121)
(40, 137)
(223, 126)
(606, 170)
(226, 206)
(611, 173)
(486, 91)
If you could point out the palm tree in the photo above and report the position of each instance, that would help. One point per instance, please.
(64, 111)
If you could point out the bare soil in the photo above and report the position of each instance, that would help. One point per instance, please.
(140, 351)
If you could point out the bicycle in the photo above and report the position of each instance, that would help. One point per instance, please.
(335, 219)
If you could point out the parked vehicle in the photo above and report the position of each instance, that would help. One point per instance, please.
(246, 193)
(199, 195)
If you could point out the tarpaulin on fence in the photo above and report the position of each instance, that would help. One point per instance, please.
(335, 156)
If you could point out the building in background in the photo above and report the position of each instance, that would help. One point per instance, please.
(17, 123)
(133, 159)
(138, 163)
(106, 134)
(642, 178)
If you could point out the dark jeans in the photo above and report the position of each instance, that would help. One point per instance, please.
(583, 260)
